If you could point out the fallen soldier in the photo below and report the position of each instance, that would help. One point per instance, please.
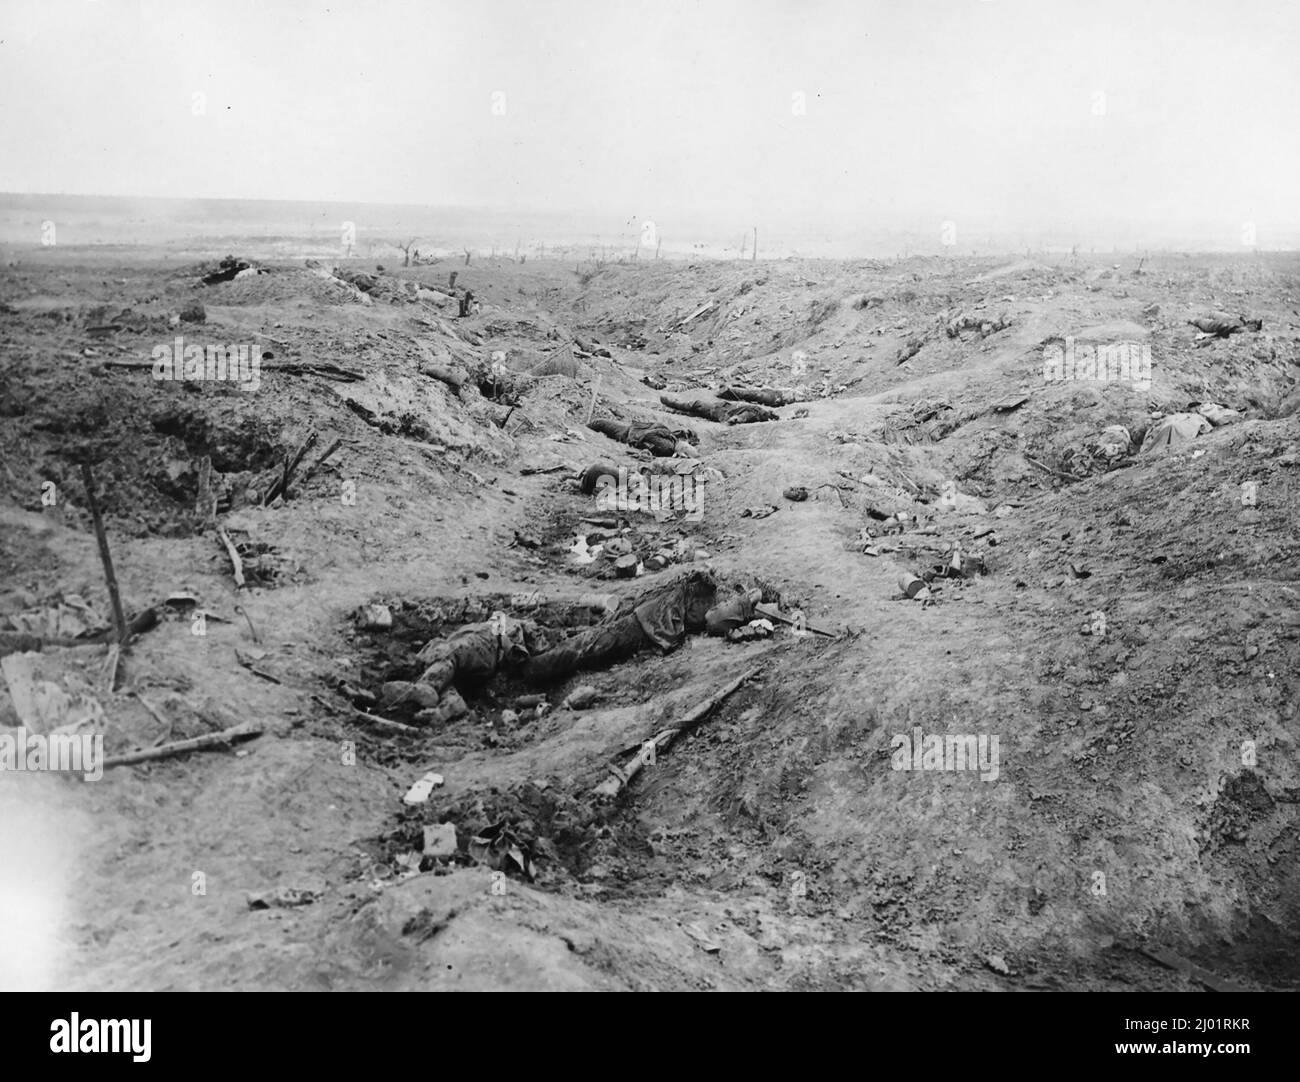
(1217, 327)
(659, 440)
(764, 396)
(731, 413)
(968, 322)
(477, 651)
(736, 612)
(660, 618)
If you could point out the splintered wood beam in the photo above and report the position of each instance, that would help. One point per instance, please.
(115, 598)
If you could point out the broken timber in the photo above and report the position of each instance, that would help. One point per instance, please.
(311, 470)
(620, 777)
(119, 620)
(773, 613)
(235, 562)
(226, 737)
(281, 485)
(696, 314)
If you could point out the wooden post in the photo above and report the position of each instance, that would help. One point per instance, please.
(119, 619)
(236, 564)
(754, 257)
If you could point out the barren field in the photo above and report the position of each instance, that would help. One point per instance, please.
(1124, 620)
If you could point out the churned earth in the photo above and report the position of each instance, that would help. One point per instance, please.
(1132, 644)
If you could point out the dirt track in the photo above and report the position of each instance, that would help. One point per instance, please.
(1122, 816)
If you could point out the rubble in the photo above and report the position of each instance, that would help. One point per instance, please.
(423, 788)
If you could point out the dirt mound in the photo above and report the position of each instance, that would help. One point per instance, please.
(293, 286)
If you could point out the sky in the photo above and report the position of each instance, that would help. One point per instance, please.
(999, 113)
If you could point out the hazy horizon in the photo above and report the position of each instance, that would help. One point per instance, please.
(1001, 117)
(297, 229)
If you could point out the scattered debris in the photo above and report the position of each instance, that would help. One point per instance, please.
(912, 587)
(249, 661)
(440, 841)
(997, 963)
(280, 487)
(1051, 469)
(249, 620)
(755, 629)
(1007, 405)
(774, 613)
(708, 306)
(384, 723)
(501, 849)
(702, 939)
(373, 617)
(281, 898)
